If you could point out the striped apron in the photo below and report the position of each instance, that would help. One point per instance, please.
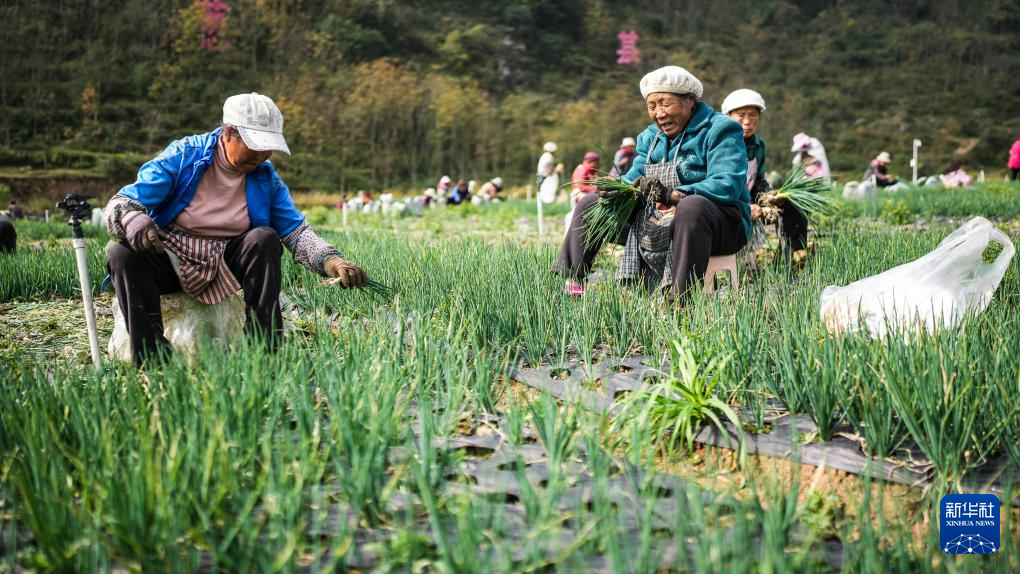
(200, 267)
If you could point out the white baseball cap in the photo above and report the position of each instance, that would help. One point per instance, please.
(628, 141)
(742, 98)
(258, 120)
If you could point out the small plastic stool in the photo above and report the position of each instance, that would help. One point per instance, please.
(721, 263)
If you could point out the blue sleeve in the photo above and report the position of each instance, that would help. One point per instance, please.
(284, 217)
(726, 166)
(156, 179)
(637, 168)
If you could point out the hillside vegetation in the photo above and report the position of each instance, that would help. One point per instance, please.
(379, 93)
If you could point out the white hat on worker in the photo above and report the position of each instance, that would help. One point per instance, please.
(673, 80)
(258, 120)
(884, 157)
(498, 182)
(627, 142)
(741, 99)
(550, 147)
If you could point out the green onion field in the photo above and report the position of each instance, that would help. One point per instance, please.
(401, 435)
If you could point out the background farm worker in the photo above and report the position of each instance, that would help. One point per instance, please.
(443, 189)
(546, 163)
(8, 236)
(811, 152)
(459, 192)
(490, 189)
(209, 216)
(955, 176)
(15, 210)
(1014, 161)
(690, 158)
(745, 107)
(878, 168)
(587, 170)
(624, 157)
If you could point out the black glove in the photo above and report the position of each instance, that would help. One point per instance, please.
(604, 193)
(760, 186)
(654, 191)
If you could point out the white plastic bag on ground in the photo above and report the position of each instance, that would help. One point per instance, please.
(185, 321)
(547, 193)
(937, 290)
(858, 190)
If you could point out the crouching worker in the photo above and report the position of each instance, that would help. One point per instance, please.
(209, 216)
(745, 107)
(691, 167)
(8, 235)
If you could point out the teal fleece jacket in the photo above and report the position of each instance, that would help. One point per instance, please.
(713, 159)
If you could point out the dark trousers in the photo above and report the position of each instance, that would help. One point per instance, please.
(140, 278)
(1014, 173)
(795, 227)
(701, 229)
(8, 237)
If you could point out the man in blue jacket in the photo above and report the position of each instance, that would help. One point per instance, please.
(209, 216)
(691, 168)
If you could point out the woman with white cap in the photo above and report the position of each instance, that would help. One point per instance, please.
(877, 169)
(745, 107)
(624, 157)
(691, 168)
(209, 216)
(490, 189)
(546, 163)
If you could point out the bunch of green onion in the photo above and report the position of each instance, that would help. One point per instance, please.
(377, 288)
(803, 193)
(372, 286)
(604, 219)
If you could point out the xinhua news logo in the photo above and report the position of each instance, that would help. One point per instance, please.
(969, 524)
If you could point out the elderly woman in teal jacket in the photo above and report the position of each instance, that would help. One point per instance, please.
(209, 216)
(691, 167)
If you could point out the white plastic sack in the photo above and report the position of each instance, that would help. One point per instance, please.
(939, 289)
(547, 193)
(185, 321)
(859, 190)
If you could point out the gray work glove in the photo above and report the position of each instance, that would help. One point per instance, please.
(142, 234)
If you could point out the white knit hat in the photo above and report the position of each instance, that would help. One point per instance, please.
(673, 80)
(258, 120)
(742, 98)
(550, 147)
(628, 141)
